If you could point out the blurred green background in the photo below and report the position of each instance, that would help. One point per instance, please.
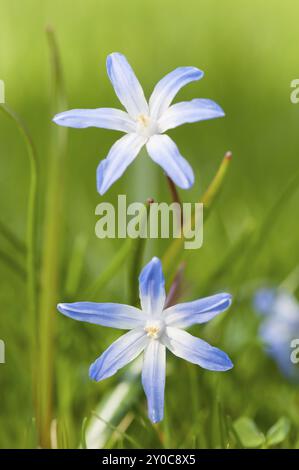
(249, 53)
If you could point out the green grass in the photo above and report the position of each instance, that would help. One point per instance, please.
(248, 52)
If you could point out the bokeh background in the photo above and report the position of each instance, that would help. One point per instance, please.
(249, 53)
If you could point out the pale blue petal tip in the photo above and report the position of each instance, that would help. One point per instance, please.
(60, 307)
(92, 372)
(155, 419)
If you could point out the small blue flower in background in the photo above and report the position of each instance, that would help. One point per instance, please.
(152, 330)
(144, 123)
(279, 327)
(263, 300)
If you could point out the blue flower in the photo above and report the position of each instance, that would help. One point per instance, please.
(279, 327)
(264, 300)
(152, 330)
(144, 123)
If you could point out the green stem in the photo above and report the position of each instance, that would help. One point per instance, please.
(50, 260)
(30, 235)
(174, 251)
(214, 187)
(176, 287)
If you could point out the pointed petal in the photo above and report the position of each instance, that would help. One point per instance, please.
(189, 111)
(120, 353)
(126, 85)
(199, 311)
(106, 314)
(168, 87)
(121, 154)
(105, 118)
(153, 379)
(195, 350)
(151, 287)
(164, 151)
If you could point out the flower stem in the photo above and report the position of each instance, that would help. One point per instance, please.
(138, 247)
(172, 254)
(216, 184)
(176, 287)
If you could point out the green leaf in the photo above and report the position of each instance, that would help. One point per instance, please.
(83, 433)
(248, 433)
(62, 435)
(278, 432)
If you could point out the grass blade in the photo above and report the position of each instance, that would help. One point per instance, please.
(50, 261)
(31, 277)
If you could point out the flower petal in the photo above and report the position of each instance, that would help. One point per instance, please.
(199, 311)
(264, 300)
(195, 350)
(126, 85)
(168, 87)
(105, 118)
(153, 379)
(151, 287)
(106, 314)
(121, 154)
(189, 111)
(120, 353)
(164, 151)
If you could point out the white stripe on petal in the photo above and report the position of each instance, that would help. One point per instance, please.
(121, 154)
(151, 288)
(153, 379)
(195, 350)
(105, 118)
(189, 111)
(165, 152)
(126, 85)
(198, 311)
(120, 353)
(168, 87)
(104, 314)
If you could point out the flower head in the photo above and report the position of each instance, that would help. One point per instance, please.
(144, 123)
(153, 329)
(279, 327)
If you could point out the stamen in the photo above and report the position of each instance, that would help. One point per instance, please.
(146, 127)
(152, 331)
(154, 328)
(143, 119)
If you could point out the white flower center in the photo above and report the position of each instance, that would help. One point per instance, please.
(154, 328)
(146, 127)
